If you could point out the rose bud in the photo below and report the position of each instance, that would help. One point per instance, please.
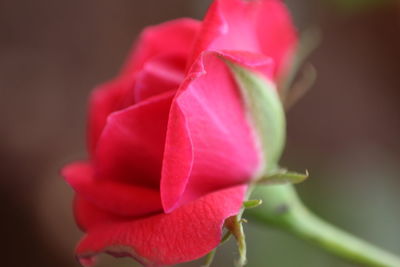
(173, 142)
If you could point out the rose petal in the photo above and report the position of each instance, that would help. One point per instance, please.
(159, 75)
(177, 37)
(172, 37)
(87, 215)
(210, 144)
(104, 100)
(116, 198)
(186, 234)
(131, 146)
(262, 26)
(178, 159)
(254, 61)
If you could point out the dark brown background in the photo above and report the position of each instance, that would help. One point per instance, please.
(345, 131)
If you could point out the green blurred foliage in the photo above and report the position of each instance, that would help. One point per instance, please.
(359, 5)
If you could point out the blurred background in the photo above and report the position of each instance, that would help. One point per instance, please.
(345, 131)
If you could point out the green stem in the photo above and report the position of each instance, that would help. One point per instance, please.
(282, 208)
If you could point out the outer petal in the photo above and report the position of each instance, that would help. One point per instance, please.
(186, 234)
(259, 26)
(159, 75)
(131, 147)
(210, 143)
(172, 37)
(87, 215)
(116, 198)
(107, 98)
(160, 55)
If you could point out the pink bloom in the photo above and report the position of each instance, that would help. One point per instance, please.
(171, 149)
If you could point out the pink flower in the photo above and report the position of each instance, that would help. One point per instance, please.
(171, 149)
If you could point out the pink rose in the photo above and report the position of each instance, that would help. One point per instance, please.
(171, 149)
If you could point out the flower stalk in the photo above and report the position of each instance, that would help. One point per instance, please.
(283, 209)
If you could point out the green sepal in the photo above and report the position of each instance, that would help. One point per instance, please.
(265, 112)
(209, 258)
(235, 225)
(252, 203)
(283, 176)
(225, 237)
(289, 85)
